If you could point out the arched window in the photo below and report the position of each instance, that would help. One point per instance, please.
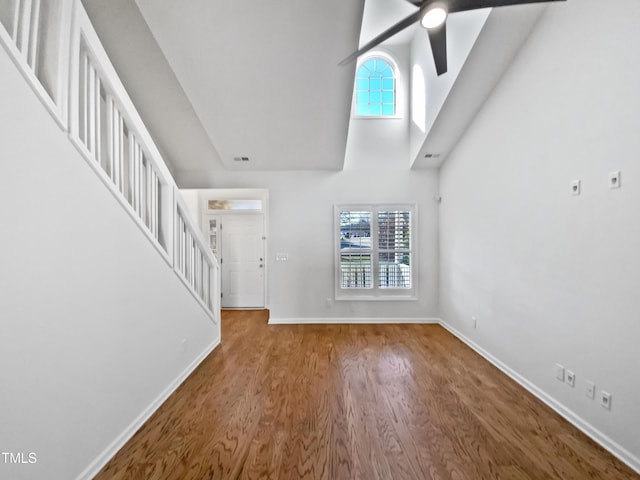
(375, 88)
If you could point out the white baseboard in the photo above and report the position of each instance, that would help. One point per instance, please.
(585, 427)
(102, 459)
(350, 320)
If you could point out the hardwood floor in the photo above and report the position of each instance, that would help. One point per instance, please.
(354, 402)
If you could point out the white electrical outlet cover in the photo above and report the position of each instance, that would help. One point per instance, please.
(614, 179)
(605, 400)
(571, 378)
(559, 372)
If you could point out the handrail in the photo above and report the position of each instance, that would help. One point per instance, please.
(107, 129)
(194, 262)
(79, 86)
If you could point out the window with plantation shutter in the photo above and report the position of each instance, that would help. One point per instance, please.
(374, 254)
(394, 249)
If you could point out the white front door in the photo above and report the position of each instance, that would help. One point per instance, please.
(242, 260)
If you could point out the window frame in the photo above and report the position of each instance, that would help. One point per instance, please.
(376, 292)
(377, 55)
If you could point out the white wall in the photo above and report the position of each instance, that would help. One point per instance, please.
(301, 223)
(553, 277)
(192, 202)
(375, 143)
(92, 318)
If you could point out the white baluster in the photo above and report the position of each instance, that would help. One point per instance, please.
(23, 24)
(154, 198)
(96, 119)
(120, 147)
(91, 143)
(16, 22)
(85, 99)
(34, 26)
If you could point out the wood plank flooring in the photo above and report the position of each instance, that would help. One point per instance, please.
(354, 402)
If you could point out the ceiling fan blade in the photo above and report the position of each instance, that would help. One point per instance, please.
(438, 41)
(417, 3)
(463, 5)
(398, 27)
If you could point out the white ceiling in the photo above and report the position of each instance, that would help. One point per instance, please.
(263, 77)
(218, 79)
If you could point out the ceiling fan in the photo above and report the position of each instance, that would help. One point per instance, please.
(432, 15)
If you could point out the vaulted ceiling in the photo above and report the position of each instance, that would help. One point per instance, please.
(219, 80)
(262, 78)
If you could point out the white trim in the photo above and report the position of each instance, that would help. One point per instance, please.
(106, 180)
(181, 212)
(82, 28)
(580, 423)
(382, 298)
(198, 235)
(204, 195)
(375, 293)
(376, 117)
(212, 314)
(390, 58)
(57, 108)
(352, 320)
(109, 452)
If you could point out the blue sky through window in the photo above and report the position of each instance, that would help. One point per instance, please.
(375, 89)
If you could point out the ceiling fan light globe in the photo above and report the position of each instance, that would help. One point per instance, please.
(434, 16)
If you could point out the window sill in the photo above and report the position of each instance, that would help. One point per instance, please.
(376, 117)
(377, 298)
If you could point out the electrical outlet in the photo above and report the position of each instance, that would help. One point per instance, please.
(559, 372)
(575, 187)
(591, 390)
(570, 378)
(614, 179)
(605, 400)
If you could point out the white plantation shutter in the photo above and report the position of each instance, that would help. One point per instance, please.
(355, 249)
(394, 249)
(374, 254)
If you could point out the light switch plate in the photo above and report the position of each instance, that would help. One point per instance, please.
(614, 179)
(591, 390)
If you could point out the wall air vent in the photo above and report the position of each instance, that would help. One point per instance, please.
(431, 155)
(240, 159)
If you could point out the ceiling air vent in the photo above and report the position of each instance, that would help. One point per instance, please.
(240, 159)
(431, 155)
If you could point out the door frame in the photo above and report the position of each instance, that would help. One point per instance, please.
(205, 195)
